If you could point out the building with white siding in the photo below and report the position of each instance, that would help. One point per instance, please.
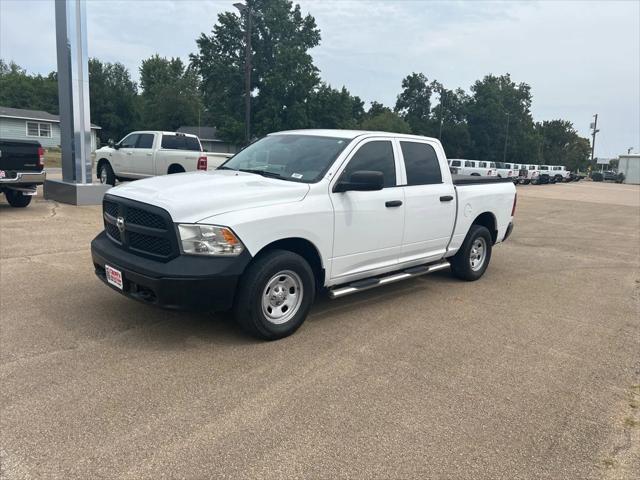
(629, 165)
(21, 124)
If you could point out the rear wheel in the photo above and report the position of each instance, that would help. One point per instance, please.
(473, 258)
(275, 295)
(106, 175)
(17, 199)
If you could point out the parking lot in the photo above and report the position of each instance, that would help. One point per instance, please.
(531, 372)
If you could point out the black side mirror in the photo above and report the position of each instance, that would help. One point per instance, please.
(361, 181)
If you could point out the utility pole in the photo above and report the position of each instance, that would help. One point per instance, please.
(594, 130)
(506, 139)
(246, 10)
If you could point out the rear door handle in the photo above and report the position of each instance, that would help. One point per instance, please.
(446, 198)
(393, 203)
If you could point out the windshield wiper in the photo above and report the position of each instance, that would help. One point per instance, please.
(264, 173)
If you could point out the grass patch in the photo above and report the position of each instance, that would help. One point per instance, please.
(631, 422)
(52, 158)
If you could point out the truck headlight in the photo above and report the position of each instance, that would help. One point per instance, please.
(209, 240)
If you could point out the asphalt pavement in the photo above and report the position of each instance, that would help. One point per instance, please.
(531, 372)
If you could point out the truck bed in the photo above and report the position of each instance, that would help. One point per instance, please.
(476, 180)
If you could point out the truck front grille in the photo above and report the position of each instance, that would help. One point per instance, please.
(139, 228)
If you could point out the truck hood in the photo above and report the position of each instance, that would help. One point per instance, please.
(193, 196)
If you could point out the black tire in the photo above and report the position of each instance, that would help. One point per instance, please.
(17, 199)
(461, 262)
(248, 310)
(109, 178)
(175, 169)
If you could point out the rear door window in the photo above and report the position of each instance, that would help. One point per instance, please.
(421, 163)
(469, 163)
(455, 163)
(180, 142)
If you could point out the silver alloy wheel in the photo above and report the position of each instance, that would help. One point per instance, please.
(282, 297)
(478, 253)
(103, 175)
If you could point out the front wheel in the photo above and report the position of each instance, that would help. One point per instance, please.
(106, 174)
(275, 295)
(17, 199)
(473, 258)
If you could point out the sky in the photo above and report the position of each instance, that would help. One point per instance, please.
(579, 57)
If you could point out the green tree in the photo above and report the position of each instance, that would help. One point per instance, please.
(170, 94)
(283, 76)
(381, 118)
(113, 99)
(414, 103)
(495, 103)
(18, 89)
(449, 120)
(560, 144)
(331, 108)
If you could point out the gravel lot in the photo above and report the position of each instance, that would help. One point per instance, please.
(532, 372)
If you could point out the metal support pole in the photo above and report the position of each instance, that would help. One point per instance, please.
(73, 90)
(593, 135)
(73, 98)
(506, 139)
(245, 9)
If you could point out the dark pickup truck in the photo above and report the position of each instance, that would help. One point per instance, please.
(21, 170)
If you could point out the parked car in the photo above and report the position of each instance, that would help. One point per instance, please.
(531, 174)
(150, 153)
(295, 213)
(473, 167)
(546, 174)
(561, 173)
(21, 170)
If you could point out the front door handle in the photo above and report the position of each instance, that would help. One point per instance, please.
(393, 203)
(446, 198)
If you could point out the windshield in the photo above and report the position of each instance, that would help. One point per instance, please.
(297, 158)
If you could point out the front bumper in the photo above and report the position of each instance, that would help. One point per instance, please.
(187, 282)
(25, 178)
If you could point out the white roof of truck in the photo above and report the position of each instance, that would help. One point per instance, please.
(350, 134)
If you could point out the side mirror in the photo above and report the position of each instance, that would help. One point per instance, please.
(111, 143)
(361, 181)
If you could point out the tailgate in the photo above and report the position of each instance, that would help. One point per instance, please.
(20, 155)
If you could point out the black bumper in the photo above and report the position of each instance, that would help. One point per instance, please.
(187, 282)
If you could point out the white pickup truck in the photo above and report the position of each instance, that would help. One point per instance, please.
(149, 153)
(296, 213)
(473, 167)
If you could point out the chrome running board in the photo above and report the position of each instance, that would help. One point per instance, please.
(373, 282)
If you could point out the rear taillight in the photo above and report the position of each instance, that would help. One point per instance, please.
(40, 157)
(202, 163)
(515, 201)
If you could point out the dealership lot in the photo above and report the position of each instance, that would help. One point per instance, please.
(533, 371)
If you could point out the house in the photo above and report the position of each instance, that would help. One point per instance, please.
(20, 124)
(209, 139)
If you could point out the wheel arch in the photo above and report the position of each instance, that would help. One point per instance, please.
(175, 168)
(303, 247)
(488, 220)
(100, 163)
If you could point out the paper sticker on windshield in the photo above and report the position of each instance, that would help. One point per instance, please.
(297, 175)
